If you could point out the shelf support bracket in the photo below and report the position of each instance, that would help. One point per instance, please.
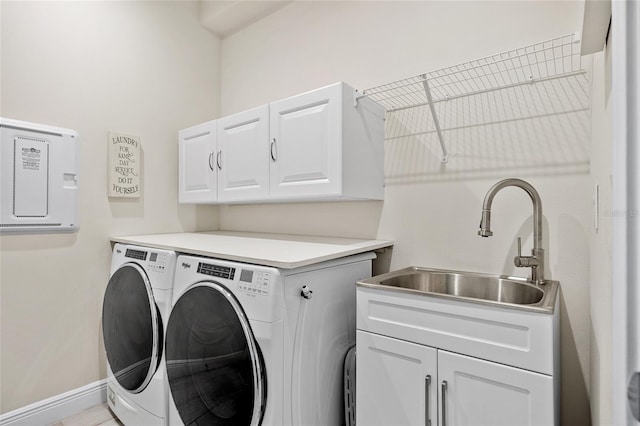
(357, 94)
(427, 91)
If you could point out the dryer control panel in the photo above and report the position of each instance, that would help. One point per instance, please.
(158, 264)
(153, 261)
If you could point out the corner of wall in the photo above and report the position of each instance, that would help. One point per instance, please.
(601, 240)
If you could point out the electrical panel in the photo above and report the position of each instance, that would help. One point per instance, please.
(39, 171)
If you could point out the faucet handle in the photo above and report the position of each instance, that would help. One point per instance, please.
(525, 261)
(519, 261)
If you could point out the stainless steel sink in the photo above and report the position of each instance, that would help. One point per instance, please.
(505, 291)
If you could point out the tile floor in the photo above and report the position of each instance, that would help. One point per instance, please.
(94, 416)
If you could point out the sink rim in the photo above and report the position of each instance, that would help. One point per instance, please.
(545, 305)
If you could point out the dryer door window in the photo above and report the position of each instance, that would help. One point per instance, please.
(214, 366)
(131, 328)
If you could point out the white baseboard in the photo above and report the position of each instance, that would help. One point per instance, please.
(58, 407)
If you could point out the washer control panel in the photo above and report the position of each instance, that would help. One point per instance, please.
(216, 270)
(259, 289)
(254, 282)
(250, 281)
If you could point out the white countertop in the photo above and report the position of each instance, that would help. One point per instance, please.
(277, 250)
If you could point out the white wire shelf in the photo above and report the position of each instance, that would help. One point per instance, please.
(558, 58)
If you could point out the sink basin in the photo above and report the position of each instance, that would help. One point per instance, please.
(468, 286)
(463, 285)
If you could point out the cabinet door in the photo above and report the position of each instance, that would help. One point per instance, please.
(480, 393)
(196, 173)
(395, 382)
(243, 155)
(306, 144)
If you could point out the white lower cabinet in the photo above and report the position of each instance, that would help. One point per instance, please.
(478, 392)
(404, 383)
(395, 382)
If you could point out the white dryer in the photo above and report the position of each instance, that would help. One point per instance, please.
(255, 345)
(135, 311)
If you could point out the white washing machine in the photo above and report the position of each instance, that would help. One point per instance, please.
(255, 345)
(135, 311)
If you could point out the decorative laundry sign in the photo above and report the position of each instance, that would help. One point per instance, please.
(124, 165)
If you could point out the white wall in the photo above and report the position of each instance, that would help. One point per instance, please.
(601, 243)
(433, 221)
(147, 68)
(142, 68)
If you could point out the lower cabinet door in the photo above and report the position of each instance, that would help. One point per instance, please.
(478, 392)
(395, 382)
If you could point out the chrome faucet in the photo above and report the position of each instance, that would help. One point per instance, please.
(536, 260)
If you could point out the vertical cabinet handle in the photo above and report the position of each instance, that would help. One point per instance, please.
(211, 161)
(218, 158)
(273, 149)
(444, 403)
(427, 409)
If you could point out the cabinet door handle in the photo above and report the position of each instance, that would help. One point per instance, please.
(444, 402)
(427, 409)
(218, 160)
(211, 161)
(273, 149)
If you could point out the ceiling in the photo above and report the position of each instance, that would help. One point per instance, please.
(224, 18)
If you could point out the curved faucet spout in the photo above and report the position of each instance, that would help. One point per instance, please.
(536, 261)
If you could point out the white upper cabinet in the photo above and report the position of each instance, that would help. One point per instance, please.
(306, 144)
(242, 159)
(196, 151)
(324, 145)
(320, 145)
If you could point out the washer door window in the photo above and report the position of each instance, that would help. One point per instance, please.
(214, 367)
(132, 328)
